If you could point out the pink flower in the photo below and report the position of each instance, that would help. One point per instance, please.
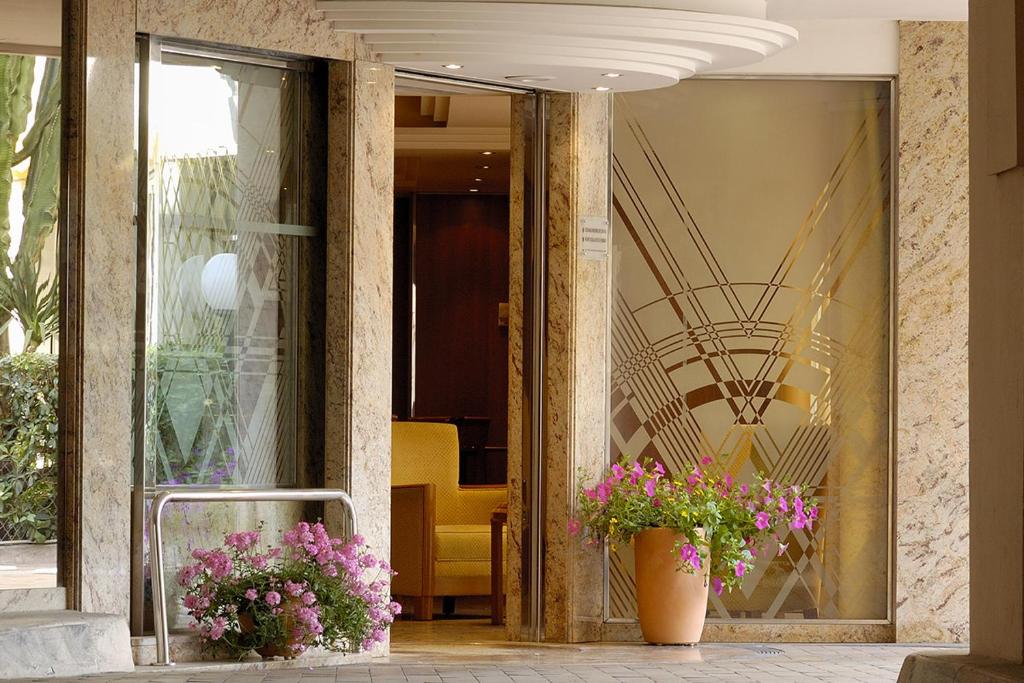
(706, 460)
(688, 553)
(650, 487)
(242, 540)
(604, 490)
(782, 548)
(591, 494)
(308, 598)
(767, 486)
(251, 594)
(659, 469)
(217, 628)
(744, 489)
(798, 505)
(741, 568)
(273, 598)
(812, 512)
(618, 472)
(761, 522)
(574, 526)
(634, 476)
(799, 521)
(783, 505)
(716, 585)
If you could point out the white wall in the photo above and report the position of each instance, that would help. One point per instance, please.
(846, 47)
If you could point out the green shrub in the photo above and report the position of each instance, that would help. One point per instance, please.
(28, 447)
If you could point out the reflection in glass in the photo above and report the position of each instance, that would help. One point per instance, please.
(221, 273)
(751, 318)
(29, 304)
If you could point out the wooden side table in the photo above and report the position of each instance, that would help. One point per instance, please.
(499, 517)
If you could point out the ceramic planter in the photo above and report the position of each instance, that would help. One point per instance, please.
(671, 603)
(271, 650)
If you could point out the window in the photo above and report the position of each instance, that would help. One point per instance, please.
(226, 223)
(751, 317)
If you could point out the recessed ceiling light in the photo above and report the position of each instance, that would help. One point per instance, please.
(611, 75)
(602, 88)
(487, 154)
(479, 180)
(453, 67)
(473, 189)
(485, 167)
(530, 78)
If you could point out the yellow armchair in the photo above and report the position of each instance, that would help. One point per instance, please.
(441, 534)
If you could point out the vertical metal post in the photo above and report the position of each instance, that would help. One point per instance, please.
(147, 52)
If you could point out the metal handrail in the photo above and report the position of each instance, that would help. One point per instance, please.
(156, 566)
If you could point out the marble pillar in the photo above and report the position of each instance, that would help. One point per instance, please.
(522, 108)
(931, 348)
(576, 380)
(106, 305)
(357, 411)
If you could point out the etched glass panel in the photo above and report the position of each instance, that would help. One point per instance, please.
(221, 280)
(751, 318)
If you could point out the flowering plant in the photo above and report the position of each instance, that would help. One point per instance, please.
(311, 590)
(736, 521)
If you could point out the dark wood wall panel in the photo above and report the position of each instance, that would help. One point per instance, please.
(461, 276)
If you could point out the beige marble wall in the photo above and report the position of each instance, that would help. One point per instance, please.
(359, 292)
(931, 361)
(576, 382)
(282, 25)
(107, 306)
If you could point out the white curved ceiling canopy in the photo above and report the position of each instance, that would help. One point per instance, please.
(569, 45)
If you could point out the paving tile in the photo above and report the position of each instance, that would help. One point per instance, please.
(497, 662)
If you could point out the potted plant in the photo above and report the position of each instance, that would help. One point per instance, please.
(689, 533)
(311, 590)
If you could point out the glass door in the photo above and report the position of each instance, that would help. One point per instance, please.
(223, 244)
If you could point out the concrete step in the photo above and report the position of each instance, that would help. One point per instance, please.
(63, 643)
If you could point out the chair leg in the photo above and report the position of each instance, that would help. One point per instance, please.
(448, 605)
(423, 608)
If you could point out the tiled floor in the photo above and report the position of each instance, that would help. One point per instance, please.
(479, 656)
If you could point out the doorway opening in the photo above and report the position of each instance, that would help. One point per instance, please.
(459, 199)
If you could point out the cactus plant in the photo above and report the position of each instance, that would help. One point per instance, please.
(23, 290)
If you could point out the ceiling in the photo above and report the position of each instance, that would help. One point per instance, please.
(605, 45)
(440, 144)
(566, 45)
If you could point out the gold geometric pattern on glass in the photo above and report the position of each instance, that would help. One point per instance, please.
(751, 318)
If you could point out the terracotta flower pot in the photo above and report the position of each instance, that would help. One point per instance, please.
(671, 603)
(246, 625)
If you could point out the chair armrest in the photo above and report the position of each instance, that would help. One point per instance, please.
(412, 539)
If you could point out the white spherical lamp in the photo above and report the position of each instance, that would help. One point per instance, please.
(220, 282)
